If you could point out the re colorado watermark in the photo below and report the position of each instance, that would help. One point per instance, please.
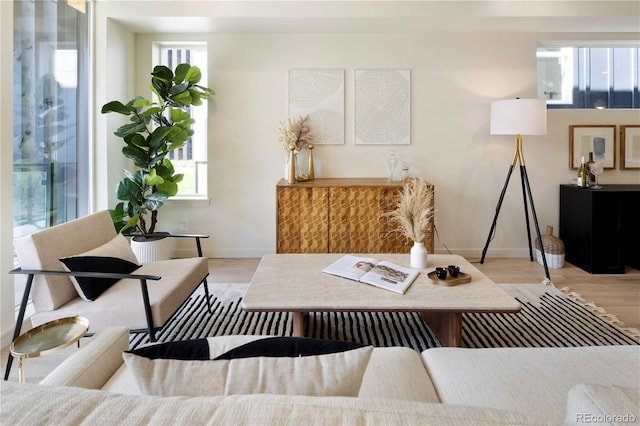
(605, 418)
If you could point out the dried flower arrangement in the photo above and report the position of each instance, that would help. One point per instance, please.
(295, 134)
(414, 210)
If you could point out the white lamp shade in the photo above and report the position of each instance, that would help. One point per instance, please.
(519, 116)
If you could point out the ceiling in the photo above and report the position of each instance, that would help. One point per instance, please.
(366, 16)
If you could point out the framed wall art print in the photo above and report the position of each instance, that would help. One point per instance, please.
(319, 93)
(629, 147)
(383, 106)
(599, 139)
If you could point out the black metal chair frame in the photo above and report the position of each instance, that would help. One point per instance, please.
(143, 287)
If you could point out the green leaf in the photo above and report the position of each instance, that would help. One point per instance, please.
(177, 115)
(168, 187)
(117, 214)
(182, 98)
(129, 129)
(116, 106)
(153, 179)
(178, 88)
(131, 223)
(129, 175)
(165, 169)
(205, 91)
(162, 72)
(195, 97)
(177, 136)
(136, 139)
(139, 102)
(181, 71)
(138, 155)
(193, 75)
(156, 200)
(166, 163)
(128, 190)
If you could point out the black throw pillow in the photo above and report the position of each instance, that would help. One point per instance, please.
(288, 347)
(93, 287)
(196, 349)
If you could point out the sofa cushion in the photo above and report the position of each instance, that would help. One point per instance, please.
(99, 357)
(330, 374)
(531, 380)
(41, 250)
(180, 277)
(398, 373)
(588, 404)
(66, 405)
(114, 256)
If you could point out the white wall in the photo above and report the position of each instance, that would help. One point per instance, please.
(114, 55)
(454, 78)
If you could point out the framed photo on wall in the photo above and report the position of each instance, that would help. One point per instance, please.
(599, 139)
(629, 147)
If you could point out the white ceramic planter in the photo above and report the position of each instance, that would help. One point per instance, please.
(151, 250)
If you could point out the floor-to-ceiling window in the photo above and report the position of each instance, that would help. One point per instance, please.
(50, 107)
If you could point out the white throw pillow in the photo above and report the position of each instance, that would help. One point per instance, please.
(333, 374)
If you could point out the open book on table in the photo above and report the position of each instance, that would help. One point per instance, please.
(381, 274)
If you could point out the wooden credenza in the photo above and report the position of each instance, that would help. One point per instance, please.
(340, 216)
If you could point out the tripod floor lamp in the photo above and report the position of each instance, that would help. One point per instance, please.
(519, 117)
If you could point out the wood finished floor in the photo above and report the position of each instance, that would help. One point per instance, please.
(617, 294)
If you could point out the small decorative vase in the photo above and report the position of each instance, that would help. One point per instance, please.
(311, 171)
(302, 160)
(291, 175)
(418, 255)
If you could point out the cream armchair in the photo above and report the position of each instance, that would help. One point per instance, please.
(144, 298)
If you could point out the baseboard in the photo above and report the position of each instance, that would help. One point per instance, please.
(252, 253)
(497, 253)
(225, 253)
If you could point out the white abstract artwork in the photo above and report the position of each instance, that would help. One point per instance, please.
(320, 95)
(382, 107)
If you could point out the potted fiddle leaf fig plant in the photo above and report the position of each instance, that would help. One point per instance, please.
(154, 130)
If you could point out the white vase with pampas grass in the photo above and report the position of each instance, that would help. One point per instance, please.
(413, 214)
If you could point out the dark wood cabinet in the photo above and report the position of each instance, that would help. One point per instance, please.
(600, 228)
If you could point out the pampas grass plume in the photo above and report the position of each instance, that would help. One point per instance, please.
(414, 211)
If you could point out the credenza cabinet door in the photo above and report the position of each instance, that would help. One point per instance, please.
(340, 216)
(302, 219)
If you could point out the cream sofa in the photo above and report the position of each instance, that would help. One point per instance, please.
(399, 386)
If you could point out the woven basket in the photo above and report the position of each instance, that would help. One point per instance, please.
(553, 249)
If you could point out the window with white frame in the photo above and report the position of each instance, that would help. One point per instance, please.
(590, 75)
(191, 160)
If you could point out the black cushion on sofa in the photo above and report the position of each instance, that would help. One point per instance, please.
(196, 349)
(94, 287)
(288, 347)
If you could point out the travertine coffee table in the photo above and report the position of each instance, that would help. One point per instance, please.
(295, 283)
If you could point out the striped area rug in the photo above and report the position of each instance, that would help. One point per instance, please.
(547, 319)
